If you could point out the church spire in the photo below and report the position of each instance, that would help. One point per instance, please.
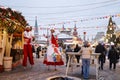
(75, 27)
(36, 29)
(75, 33)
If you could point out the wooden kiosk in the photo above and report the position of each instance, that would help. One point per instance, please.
(11, 23)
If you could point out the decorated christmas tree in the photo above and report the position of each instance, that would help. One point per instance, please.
(111, 31)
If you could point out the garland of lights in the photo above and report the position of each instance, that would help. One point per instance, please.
(83, 20)
(12, 20)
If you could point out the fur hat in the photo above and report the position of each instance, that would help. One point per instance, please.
(86, 43)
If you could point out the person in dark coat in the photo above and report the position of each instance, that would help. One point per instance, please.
(37, 52)
(113, 57)
(118, 51)
(33, 49)
(101, 49)
(77, 49)
(67, 50)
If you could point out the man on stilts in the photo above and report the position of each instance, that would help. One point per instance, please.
(27, 51)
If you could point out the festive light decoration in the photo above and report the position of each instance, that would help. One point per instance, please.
(12, 20)
(83, 20)
(69, 29)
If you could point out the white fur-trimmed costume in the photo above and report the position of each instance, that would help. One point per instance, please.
(53, 55)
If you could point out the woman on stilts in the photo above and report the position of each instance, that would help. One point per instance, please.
(53, 56)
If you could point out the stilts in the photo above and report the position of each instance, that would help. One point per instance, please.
(55, 68)
(48, 68)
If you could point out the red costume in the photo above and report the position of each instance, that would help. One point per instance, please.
(27, 48)
(53, 55)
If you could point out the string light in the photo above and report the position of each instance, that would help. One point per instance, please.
(69, 6)
(67, 12)
(82, 20)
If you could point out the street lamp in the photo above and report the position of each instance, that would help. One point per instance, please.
(47, 36)
(84, 37)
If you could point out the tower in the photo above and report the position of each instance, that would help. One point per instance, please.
(65, 30)
(36, 33)
(75, 33)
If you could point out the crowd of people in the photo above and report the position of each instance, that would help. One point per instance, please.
(112, 53)
(53, 53)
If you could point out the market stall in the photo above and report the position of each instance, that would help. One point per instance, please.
(11, 23)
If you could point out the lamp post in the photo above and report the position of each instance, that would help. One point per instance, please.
(47, 37)
(84, 37)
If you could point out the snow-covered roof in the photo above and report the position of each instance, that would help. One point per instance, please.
(62, 35)
(43, 39)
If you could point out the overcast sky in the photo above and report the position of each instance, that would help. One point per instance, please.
(67, 11)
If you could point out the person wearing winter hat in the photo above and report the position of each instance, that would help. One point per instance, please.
(86, 52)
(27, 51)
